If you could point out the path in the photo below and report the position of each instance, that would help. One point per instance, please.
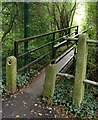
(26, 103)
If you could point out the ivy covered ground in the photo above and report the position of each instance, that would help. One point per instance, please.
(63, 96)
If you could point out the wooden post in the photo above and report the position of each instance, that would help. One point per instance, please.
(11, 72)
(80, 72)
(49, 84)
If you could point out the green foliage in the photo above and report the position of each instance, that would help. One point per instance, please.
(63, 96)
(91, 66)
(22, 79)
(90, 12)
(39, 21)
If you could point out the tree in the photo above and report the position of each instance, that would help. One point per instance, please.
(62, 14)
(9, 11)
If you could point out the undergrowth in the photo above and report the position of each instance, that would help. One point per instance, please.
(63, 96)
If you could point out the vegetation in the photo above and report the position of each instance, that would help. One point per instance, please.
(91, 22)
(63, 96)
(42, 18)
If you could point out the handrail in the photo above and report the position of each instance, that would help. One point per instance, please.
(52, 42)
(36, 49)
(33, 62)
(76, 39)
(70, 48)
(64, 37)
(45, 34)
(67, 38)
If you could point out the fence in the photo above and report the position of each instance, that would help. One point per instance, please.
(80, 72)
(51, 43)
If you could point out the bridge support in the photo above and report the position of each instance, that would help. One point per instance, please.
(49, 84)
(11, 71)
(80, 72)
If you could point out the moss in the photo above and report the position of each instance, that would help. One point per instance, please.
(11, 72)
(80, 72)
(49, 84)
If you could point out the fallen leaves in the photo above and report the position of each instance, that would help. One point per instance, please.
(12, 104)
(17, 116)
(49, 108)
(50, 112)
(40, 114)
(35, 105)
(32, 111)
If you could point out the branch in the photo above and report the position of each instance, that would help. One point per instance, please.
(12, 19)
(54, 16)
(72, 14)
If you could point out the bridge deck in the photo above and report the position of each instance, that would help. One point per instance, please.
(36, 86)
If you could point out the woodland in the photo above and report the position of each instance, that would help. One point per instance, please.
(21, 20)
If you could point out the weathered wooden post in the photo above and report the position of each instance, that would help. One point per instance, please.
(11, 72)
(80, 72)
(49, 84)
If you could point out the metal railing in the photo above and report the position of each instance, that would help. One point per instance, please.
(50, 43)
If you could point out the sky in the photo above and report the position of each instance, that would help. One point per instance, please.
(80, 15)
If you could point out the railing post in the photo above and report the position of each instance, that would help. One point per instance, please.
(76, 32)
(11, 72)
(49, 84)
(16, 49)
(53, 49)
(69, 32)
(68, 35)
(80, 72)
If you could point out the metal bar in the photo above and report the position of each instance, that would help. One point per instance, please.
(33, 62)
(72, 33)
(64, 37)
(38, 36)
(15, 49)
(60, 44)
(71, 39)
(92, 41)
(91, 82)
(88, 41)
(65, 75)
(80, 33)
(72, 76)
(76, 32)
(40, 47)
(68, 38)
(53, 50)
(35, 49)
(66, 62)
(68, 50)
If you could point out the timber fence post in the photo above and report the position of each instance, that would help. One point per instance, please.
(11, 72)
(80, 72)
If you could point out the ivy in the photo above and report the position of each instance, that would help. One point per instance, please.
(63, 96)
